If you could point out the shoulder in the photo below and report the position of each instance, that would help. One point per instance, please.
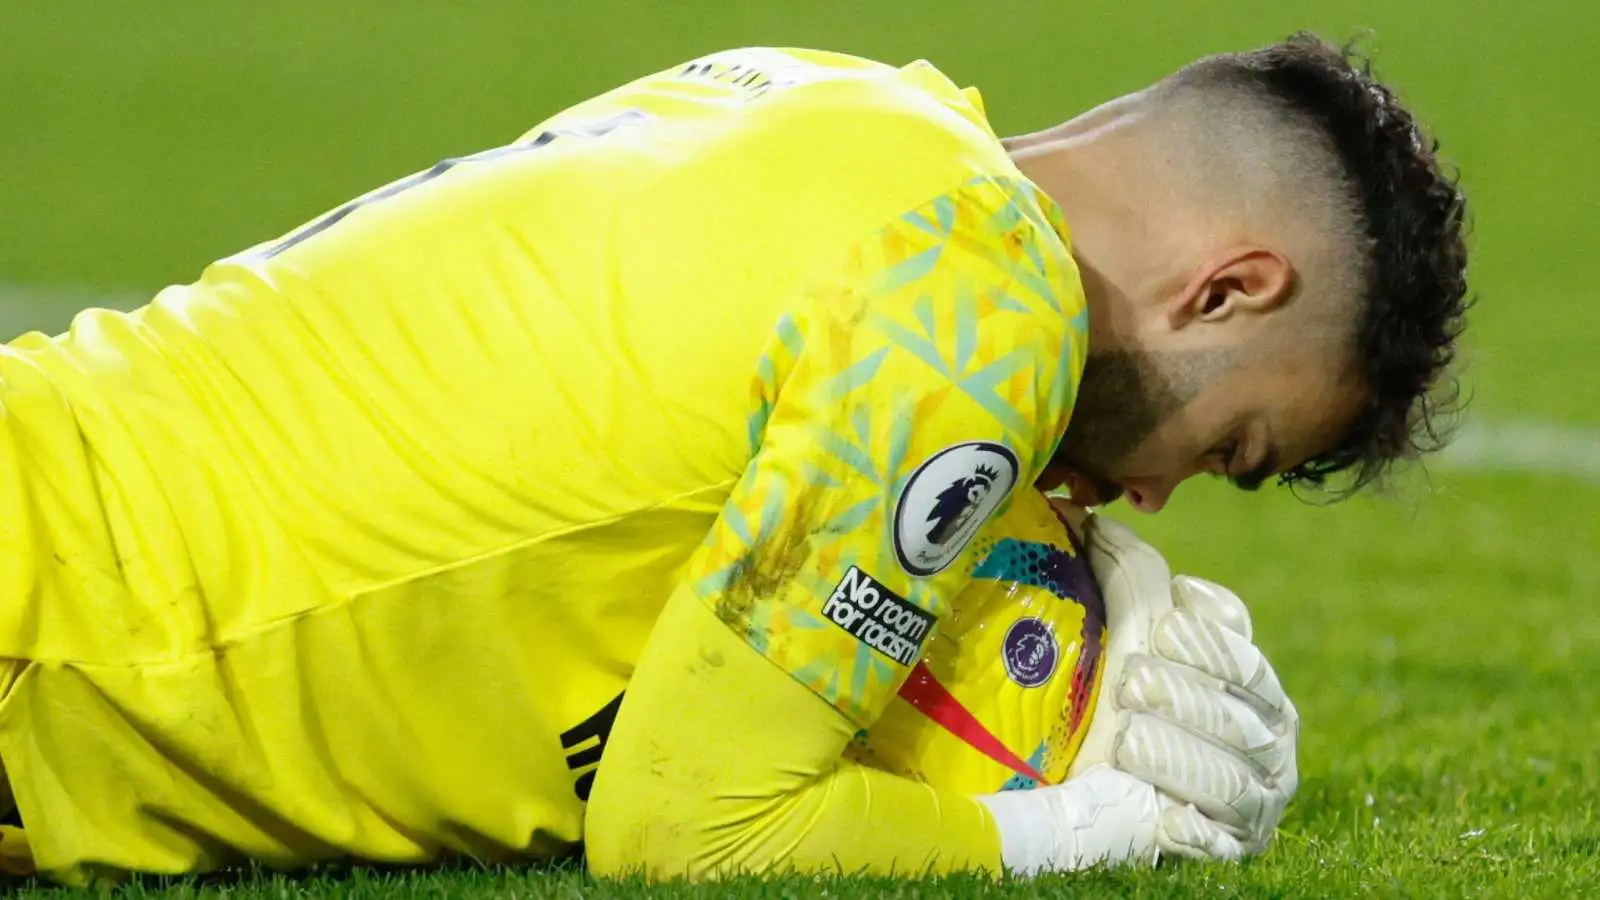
(846, 114)
(991, 242)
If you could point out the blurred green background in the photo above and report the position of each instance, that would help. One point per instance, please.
(1444, 645)
(140, 140)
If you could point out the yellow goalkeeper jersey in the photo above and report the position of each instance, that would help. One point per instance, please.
(349, 548)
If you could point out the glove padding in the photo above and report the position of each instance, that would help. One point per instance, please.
(1188, 704)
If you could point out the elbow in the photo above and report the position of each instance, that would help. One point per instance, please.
(613, 838)
(636, 827)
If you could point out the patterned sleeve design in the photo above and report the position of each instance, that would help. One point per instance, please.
(895, 410)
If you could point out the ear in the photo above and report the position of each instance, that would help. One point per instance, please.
(1247, 280)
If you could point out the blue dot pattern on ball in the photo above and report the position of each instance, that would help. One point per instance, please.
(1038, 565)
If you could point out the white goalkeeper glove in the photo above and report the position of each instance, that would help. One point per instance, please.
(1188, 704)
(1099, 816)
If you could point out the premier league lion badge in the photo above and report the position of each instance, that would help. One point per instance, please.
(946, 500)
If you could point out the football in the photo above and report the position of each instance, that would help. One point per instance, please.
(1004, 692)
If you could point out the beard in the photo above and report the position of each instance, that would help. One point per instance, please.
(1123, 397)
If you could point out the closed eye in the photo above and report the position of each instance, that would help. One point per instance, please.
(1253, 479)
(1223, 458)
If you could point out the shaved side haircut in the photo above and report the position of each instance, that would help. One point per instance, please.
(1300, 133)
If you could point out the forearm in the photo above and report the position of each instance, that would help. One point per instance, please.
(729, 764)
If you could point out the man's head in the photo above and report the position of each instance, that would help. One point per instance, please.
(1276, 274)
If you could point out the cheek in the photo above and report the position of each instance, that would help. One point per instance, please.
(1168, 452)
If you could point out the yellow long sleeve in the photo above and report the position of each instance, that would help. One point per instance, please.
(721, 762)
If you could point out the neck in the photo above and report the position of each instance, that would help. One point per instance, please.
(1098, 172)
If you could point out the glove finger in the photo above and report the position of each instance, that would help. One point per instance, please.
(1188, 639)
(1134, 578)
(1192, 700)
(1136, 585)
(1221, 785)
(1183, 832)
(1210, 600)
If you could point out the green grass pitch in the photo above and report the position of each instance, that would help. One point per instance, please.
(1443, 646)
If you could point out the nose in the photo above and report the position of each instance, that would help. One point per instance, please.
(1147, 496)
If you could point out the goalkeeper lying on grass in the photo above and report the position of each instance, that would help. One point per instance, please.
(668, 435)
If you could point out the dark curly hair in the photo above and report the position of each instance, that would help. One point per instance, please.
(1412, 212)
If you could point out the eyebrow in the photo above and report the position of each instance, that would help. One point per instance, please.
(1253, 479)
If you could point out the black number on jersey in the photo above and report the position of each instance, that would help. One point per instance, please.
(585, 742)
(593, 129)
